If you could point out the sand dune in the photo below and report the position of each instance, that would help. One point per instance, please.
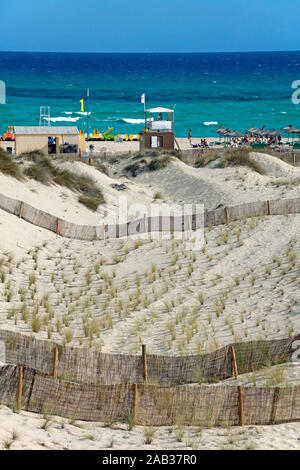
(242, 284)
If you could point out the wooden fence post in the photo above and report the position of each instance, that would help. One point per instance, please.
(55, 363)
(145, 369)
(20, 388)
(294, 158)
(21, 210)
(57, 226)
(234, 363)
(241, 406)
(145, 224)
(227, 215)
(135, 402)
(269, 207)
(274, 405)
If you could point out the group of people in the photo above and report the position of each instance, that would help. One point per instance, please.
(203, 143)
(246, 139)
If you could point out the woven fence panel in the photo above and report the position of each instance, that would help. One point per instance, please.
(209, 218)
(187, 405)
(28, 351)
(253, 355)
(78, 232)
(136, 226)
(285, 206)
(39, 218)
(204, 405)
(92, 367)
(8, 384)
(272, 405)
(251, 209)
(9, 377)
(153, 224)
(219, 217)
(9, 205)
(72, 400)
(165, 370)
(288, 406)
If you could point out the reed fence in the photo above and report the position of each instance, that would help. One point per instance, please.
(219, 216)
(76, 383)
(93, 367)
(146, 404)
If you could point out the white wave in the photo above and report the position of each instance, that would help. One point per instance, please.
(210, 123)
(283, 112)
(82, 113)
(62, 119)
(134, 121)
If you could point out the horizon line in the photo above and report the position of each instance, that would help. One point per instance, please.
(151, 52)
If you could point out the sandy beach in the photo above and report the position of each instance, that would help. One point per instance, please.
(24, 431)
(253, 263)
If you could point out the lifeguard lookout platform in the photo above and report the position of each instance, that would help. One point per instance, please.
(159, 129)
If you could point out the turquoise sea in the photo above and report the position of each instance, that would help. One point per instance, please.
(237, 90)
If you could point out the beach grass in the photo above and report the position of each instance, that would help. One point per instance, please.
(45, 172)
(9, 167)
(230, 157)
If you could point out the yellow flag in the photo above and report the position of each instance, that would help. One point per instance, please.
(82, 105)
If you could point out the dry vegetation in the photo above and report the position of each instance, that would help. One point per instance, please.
(35, 165)
(230, 157)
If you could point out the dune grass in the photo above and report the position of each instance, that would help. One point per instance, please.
(230, 157)
(9, 167)
(89, 202)
(100, 166)
(43, 170)
(151, 160)
(159, 163)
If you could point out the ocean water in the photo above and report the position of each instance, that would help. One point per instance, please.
(237, 90)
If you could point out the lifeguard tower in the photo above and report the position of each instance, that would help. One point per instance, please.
(159, 129)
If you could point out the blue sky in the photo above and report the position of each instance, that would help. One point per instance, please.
(149, 26)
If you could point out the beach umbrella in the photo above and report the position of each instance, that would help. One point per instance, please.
(238, 134)
(220, 131)
(296, 131)
(253, 130)
(228, 133)
(289, 130)
(275, 133)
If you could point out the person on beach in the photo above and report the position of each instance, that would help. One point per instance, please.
(190, 136)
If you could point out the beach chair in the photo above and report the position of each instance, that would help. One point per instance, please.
(258, 145)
